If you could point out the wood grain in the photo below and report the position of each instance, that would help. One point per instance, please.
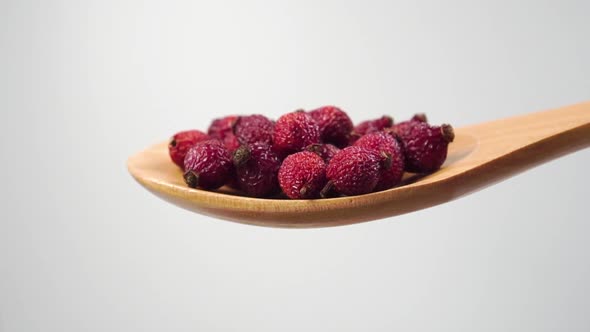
(481, 155)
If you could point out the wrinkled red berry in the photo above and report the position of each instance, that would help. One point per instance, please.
(402, 128)
(353, 171)
(220, 127)
(325, 151)
(207, 165)
(294, 131)
(231, 143)
(302, 175)
(371, 126)
(223, 130)
(425, 147)
(181, 142)
(254, 128)
(386, 145)
(256, 168)
(334, 124)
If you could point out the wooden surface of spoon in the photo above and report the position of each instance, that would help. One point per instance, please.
(481, 155)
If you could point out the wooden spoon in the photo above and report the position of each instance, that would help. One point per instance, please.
(481, 155)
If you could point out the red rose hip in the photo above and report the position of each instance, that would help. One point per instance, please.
(253, 129)
(425, 147)
(293, 132)
(302, 175)
(326, 151)
(353, 171)
(334, 125)
(390, 149)
(371, 126)
(207, 165)
(256, 168)
(404, 127)
(181, 142)
(221, 127)
(223, 130)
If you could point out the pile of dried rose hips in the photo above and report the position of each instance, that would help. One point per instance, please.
(309, 154)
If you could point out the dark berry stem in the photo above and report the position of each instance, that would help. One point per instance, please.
(241, 155)
(328, 190)
(192, 179)
(315, 148)
(304, 190)
(386, 161)
(234, 123)
(447, 132)
(388, 120)
(420, 117)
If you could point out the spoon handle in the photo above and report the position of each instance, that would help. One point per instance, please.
(508, 146)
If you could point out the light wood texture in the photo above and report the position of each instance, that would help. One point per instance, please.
(481, 155)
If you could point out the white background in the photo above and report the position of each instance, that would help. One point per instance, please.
(85, 84)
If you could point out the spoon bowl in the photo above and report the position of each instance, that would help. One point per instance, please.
(480, 155)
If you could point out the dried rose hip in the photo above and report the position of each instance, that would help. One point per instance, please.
(294, 131)
(302, 175)
(256, 168)
(387, 146)
(425, 147)
(353, 171)
(334, 125)
(223, 129)
(371, 126)
(181, 142)
(207, 165)
(253, 129)
(326, 151)
(404, 127)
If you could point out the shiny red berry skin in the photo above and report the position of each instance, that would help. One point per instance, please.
(302, 175)
(354, 171)
(223, 129)
(425, 147)
(181, 142)
(325, 151)
(334, 125)
(207, 165)
(293, 132)
(371, 126)
(387, 146)
(254, 128)
(256, 167)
